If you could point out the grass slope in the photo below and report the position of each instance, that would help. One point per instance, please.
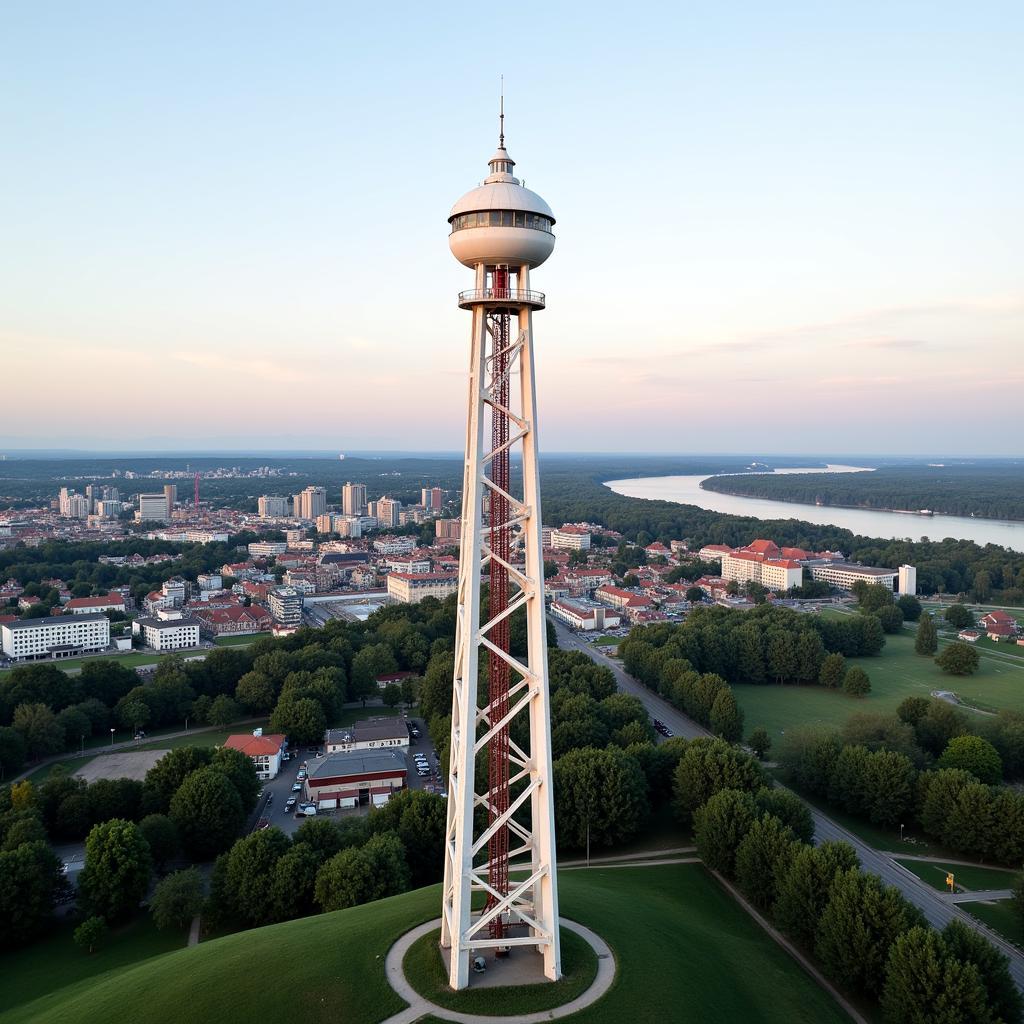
(1001, 917)
(685, 950)
(895, 674)
(965, 877)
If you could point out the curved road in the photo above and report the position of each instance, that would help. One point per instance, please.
(938, 909)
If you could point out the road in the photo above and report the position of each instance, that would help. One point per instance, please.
(937, 909)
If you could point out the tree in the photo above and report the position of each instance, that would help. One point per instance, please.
(888, 787)
(959, 659)
(788, 808)
(719, 826)
(419, 819)
(762, 856)
(90, 933)
(600, 793)
(208, 813)
(29, 880)
(361, 874)
(759, 742)
(303, 720)
(117, 869)
(927, 639)
(224, 711)
(910, 606)
(913, 709)
(833, 669)
(252, 862)
(803, 887)
(726, 717)
(21, 827)
(293, 886)
(891, 618)
(925, 982)
(13, 750)
(1003, 998)
(39, 728)
(708, 765)
(808, 753)
(256, 693)
(161, 835)
(392, 695)
(75, 724)
(857, 928)
(165, 777)
(939, 724)
(959, 615)
(177, 899)
(371, 662)
(240, 772)
(856, 682)
(975, 755)
(694, 595)
(982, 588)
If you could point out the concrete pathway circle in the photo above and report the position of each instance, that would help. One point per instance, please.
(420, 1007)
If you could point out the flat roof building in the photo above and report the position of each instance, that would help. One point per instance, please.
(843, 575)
(369, 734)
(412, 587)
(56, 636)
(173, 634)
(356, 777)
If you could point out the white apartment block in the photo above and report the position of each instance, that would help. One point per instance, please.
(58, 636)
(265, 548)
(571, 538)
(285, 606)
(171, 634)
(412, 587)
(394, 545)
(407, 563)
(843, 575)
(908, 579)
(272, 507)
(210, 581)
(585, 615)
(387, 511)
(771, 573)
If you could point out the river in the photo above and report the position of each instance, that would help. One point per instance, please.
(686, 490)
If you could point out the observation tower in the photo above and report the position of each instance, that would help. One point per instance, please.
(500, 700)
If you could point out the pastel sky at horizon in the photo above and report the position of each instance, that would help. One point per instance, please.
(782, 228)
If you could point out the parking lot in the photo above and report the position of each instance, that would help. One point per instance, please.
(277, 791)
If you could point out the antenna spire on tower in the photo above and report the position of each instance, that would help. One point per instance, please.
(501, 116)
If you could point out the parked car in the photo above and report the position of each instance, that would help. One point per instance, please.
(290, 803)
(296, 787)
(262, 824)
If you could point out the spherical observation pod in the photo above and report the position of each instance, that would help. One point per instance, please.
(500, 223)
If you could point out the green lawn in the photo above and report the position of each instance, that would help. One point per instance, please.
(1001, 917)
(686, 952)
(240, 641)
(608, 641)
(131, 660)
(895, 674)
(425, 971)
(30, 973)
(965, 877)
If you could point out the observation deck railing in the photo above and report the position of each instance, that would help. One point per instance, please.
(499, 296)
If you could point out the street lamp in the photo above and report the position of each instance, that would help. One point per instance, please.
(186, 725)
(82, 737)
(111, 735)
(901, 833)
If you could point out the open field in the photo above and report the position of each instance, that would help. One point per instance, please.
(122, 764)
(685, 952)
(895, 674)
(965, 877)
(1001, 917)
(33, 972)
(240, 641)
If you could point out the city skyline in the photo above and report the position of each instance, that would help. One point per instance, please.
(815, 218)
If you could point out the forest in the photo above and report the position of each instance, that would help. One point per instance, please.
(987, 491)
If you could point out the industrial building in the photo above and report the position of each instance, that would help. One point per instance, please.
(356, 777)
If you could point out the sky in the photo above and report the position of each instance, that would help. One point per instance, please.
(785, 227)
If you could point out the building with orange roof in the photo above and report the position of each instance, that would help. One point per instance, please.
(264, 749)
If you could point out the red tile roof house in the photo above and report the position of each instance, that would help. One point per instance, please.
(232, 621)
(265, 751)
(26, 601)
(998, 618)
(1001, 631)
(970, 635)
(108, 603)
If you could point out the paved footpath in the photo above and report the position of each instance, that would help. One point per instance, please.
(420, 1007)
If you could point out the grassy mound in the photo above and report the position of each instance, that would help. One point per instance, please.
(425, 971)
(685, 951)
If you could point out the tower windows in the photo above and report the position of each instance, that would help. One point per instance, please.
(501, 219)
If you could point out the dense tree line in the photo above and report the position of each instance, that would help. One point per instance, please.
(863, 934)
(921, 767)
(995, 493)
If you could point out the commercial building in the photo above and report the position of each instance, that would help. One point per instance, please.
(264, 749)
(843, 575)
(154, 508)
(353, 499)
(272, 507)
(571, 538)
(356, 777)
(167, 634)
(585, 615)
(908, 579)
(369, 734)
(285, 606)
(412, 587)
(58, 636)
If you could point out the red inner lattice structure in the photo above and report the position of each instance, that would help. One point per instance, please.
(498, 671)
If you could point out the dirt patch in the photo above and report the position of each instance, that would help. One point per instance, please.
(122, 764)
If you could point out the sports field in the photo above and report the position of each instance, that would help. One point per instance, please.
(895, 674)
(685, 952)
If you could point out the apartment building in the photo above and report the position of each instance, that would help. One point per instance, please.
(843, 575)
(272, 507)
(167, 634)
(388, 512)
(353, 499)
(773, 573)
(285, 606)
(266, 548)
(58, 636)
(310, 503)
(571, 538)
(154, 508)
(448, 529)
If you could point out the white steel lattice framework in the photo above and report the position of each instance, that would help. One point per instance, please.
(500, 230)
